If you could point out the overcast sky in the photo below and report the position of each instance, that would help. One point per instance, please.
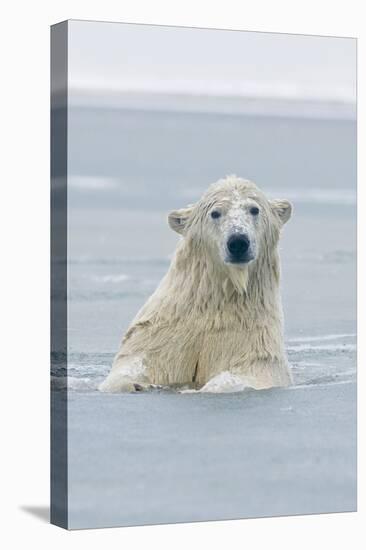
(122, 57)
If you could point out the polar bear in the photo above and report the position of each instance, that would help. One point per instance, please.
(215, 321)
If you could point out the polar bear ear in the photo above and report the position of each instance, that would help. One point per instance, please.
(177, 219)
(283, 209)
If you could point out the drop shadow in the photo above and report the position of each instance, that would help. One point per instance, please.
(40, 512)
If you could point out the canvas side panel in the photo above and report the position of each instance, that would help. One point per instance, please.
(59, 67)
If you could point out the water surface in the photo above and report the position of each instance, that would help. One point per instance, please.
(164, 456)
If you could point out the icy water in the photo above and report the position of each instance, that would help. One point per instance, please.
(165, 456)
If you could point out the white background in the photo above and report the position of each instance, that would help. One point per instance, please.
(24, 270)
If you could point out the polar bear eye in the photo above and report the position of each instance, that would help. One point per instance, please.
(215, 214)
(254, 210)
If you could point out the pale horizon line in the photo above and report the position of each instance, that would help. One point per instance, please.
(258, 104)
(249, 91)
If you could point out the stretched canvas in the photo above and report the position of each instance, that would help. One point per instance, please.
(203, 204)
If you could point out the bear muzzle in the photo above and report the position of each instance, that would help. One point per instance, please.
(239, 249)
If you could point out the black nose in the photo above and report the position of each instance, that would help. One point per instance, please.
(238, 245)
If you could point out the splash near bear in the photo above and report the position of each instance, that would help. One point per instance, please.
(215, 321)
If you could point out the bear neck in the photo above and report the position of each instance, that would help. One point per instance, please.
(205, 285)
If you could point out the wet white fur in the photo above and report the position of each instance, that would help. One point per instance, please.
(209, 320)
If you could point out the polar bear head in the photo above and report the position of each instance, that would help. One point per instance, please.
(233, 221)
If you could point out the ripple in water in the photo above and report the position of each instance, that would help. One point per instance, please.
(312, 364)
